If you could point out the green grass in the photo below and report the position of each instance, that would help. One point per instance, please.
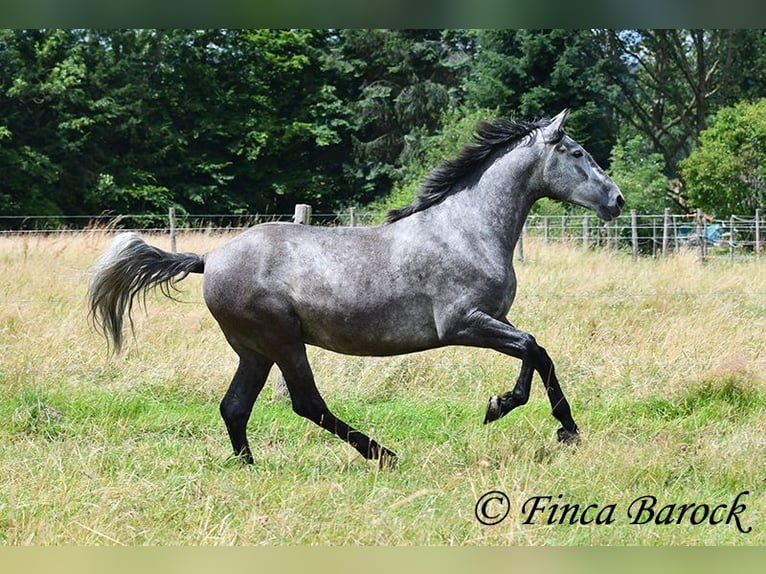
(663, 363)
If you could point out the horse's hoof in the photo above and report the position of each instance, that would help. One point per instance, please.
(568, 437)
(388, 460)
(493, 410)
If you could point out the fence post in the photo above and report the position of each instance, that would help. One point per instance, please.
(172, 218)
(585, 231)
(757, 233)
(520, 244)
(732, 238)
(665, 232)
(701, 234)
(546, 228)
(302, 214)
(634, 233)
(352, 216)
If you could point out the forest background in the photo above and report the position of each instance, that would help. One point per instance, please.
(254, 121)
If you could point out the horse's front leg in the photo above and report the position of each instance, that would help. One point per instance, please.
(500, 405)
(559, 405)
(482, 330)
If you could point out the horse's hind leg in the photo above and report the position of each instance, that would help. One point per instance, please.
(308, 403)
(237, 404)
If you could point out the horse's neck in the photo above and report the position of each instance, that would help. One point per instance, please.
(498, 204)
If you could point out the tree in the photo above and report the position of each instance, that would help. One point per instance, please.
(726, 174)
(672, 81)
(531, 74)
(458, 126)
(639, 174)
(137, 120)
(741, 72)
(39, 78)
(295, 119)
(229, 120)
(215, 121)
(398, 83)
(666, 86)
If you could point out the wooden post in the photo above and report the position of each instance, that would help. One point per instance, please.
(757, 233)
(634, 233)
(585, 231)
(665, 232)
(352, 216)
(520, 244)
(302, 214)
(546, 229)
(701, 234)
(172, 218)
(732, 238)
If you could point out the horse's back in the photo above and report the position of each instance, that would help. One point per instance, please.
(339, 283)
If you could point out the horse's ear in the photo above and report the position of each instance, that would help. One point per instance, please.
(554, 131)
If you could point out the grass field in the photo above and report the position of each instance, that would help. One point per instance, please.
(662, 361)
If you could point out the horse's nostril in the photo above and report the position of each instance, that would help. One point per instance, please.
(620, 201)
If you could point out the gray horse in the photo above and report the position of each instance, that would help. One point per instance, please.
(438, 272)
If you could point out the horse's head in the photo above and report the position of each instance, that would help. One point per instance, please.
(570, 173)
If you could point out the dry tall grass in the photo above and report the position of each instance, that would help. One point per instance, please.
(663, 362)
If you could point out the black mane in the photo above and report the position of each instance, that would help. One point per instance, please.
(441, 182)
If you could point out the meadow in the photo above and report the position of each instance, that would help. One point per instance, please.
(662, 361)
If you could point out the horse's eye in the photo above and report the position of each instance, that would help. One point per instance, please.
(577, 153)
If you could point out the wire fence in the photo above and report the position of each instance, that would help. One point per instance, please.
(652, 235)
(154, 222)
(656, 235)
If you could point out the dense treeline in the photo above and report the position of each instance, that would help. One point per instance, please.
(226, 121)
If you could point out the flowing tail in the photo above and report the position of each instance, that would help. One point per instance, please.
(129, 267)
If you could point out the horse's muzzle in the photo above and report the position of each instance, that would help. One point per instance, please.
(613, 209)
